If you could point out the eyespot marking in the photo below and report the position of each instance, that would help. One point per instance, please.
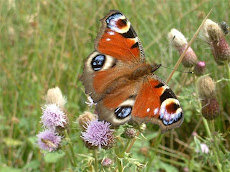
(123, 111)
(98, 62)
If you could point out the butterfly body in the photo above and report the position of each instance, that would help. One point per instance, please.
(122, 84)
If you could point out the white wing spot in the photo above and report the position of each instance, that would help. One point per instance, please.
(148, 110)
(156, 111)
(108, 39)
(111, 33)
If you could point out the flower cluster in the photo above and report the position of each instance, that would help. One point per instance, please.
(53, 118)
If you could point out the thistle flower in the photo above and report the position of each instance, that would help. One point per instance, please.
(199, 68)
(48, 140)
(98, 134)
(84, 118)
(53, 117)
(206, 87)
(106, 162)
(130, 133)
(180, 43)
(54, 96)
(212, 33)
(210, 108)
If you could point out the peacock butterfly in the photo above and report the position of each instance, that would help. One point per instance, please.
(121, 83)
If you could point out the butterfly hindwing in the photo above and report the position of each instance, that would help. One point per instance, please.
(156, 103)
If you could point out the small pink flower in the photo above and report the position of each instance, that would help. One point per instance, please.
(48, 140)
(106, 162)
(203, 148)
(194, 134)
(53, 117)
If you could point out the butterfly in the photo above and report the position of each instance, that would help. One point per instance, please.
(121, 83)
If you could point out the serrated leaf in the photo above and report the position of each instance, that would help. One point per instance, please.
(12, 142)
(53, 157)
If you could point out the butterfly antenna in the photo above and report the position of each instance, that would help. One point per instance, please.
(191, 72)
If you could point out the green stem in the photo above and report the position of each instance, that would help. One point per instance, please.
(215, 140)
(228, 71)
(119, 165)
(69, 156)
(155, 146)
(95, 160)
(71, 147)
(213, 147)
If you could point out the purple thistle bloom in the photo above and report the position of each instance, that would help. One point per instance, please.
(48, 140)
(53, 116)
(98, 133)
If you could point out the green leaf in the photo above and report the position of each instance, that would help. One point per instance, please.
(53, 157)
(9, 169)
(32, 165)
(33, 141)
(167, 167)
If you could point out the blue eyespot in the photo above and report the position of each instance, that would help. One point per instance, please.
(98, 62)
(123, 111)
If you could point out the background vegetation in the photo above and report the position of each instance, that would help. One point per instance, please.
(44, 43)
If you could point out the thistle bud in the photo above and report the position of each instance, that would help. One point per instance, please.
(210, 108)
(180, 43)
(85, 118)
(206, 87)
(130, 133)
(54, 96)
(106, 162)
(215, 36)
(199, 68)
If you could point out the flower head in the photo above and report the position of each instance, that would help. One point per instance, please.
(84, 118)
(206, 87)
(48, 140)
(199, 68)
(210, 108)
(180, 43)
(214, 35)
(53, 117)
(99, 134)
(106, 162)
(130, 133)
(54, 96)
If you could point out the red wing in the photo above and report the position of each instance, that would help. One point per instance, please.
(118, 38)
(157, 103)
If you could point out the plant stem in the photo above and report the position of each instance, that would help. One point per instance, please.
(132, 142)
(213, 147)
(95, 160)
(228, 71)
(215, 140)
(155, 146)
(119, 165)
(71, 147)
